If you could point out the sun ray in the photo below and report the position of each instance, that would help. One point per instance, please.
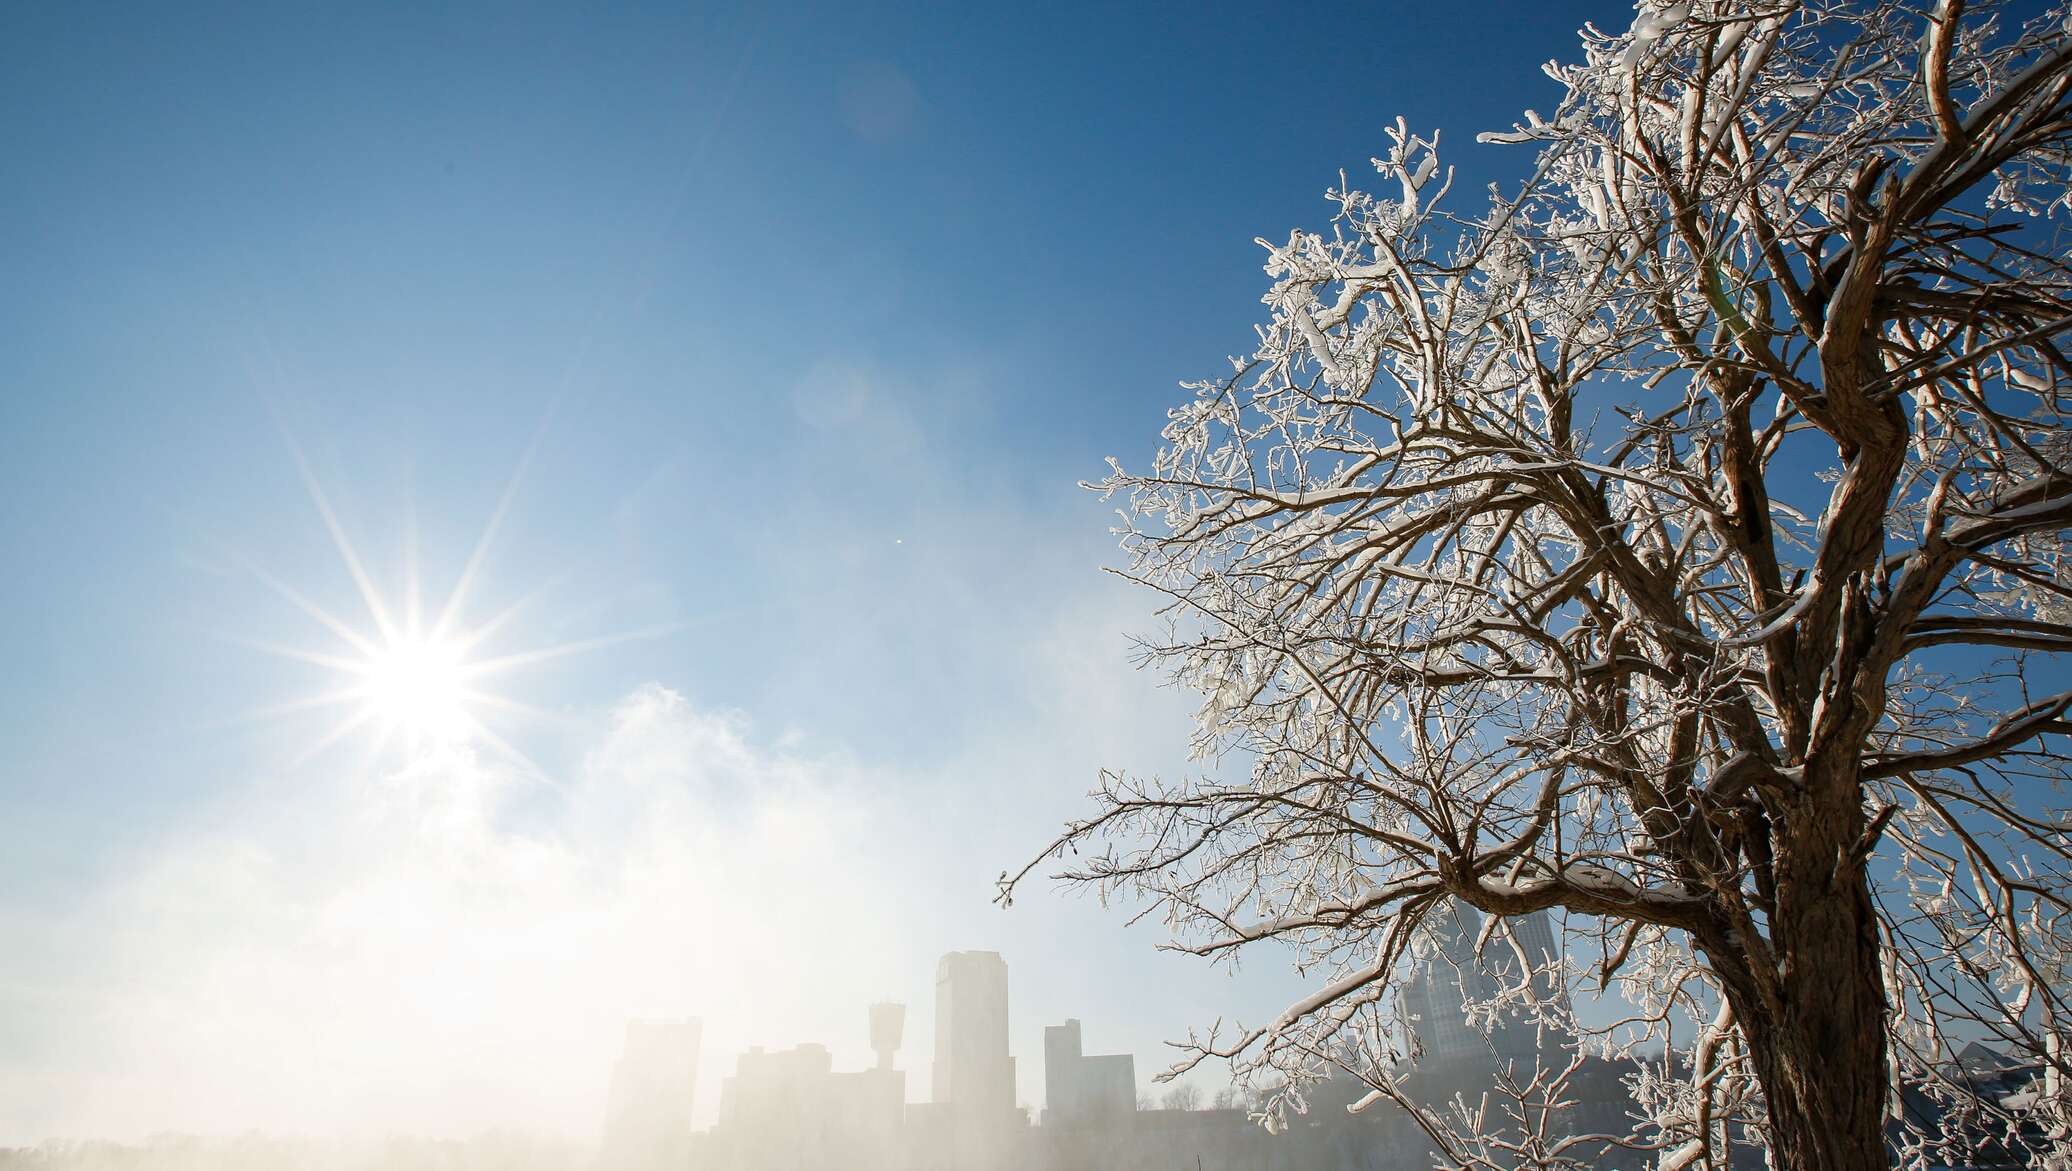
(413, 574)
(461, 585)
(332, 623)
(530, 768)
(544, 654)
(307, 703)
(490, 699)
(409, 678)
(338, 732)
(314, 658)
(468, 640)
(353, 566)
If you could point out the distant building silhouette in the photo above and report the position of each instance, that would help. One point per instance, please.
(888, 1026)
(788, 1108)
(648, 1124)
(771, 1110)
(1447, 1049)
(973, 1072)
(1078, 1088)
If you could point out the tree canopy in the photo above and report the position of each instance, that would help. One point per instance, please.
(1675, 541)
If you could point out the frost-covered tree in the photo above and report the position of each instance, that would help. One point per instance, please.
(1679, 543)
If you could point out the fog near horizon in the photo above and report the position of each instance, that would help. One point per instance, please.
(450, 943)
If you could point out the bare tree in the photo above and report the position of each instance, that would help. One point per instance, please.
(1678, 543)
(1182, 1097)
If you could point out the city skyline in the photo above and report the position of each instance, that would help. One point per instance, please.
(795, 1106)
(972, 1042)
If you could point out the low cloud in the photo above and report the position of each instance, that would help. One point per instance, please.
(446, 947)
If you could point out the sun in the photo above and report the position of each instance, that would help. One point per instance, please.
(405, 677)
(417, 685)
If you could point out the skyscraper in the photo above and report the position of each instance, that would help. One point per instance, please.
(1517, 1037)
(1444, 979)
(653, 1085)
(973, 1072)
(1445, 1045)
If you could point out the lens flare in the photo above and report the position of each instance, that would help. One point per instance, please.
(404, 679)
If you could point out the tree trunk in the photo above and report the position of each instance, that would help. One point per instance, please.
(1819, 1040)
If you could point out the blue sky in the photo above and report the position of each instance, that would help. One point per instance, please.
(810, 318)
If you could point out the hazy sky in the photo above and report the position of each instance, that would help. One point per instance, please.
(810, 319)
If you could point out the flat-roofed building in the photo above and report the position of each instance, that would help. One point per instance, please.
(1079, 1088)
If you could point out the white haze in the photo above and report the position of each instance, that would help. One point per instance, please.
(454, 946)
(446, 947)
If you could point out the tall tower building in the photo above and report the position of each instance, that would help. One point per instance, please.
(1517, 1038)
(1445, 1045)
(1445, 978)
(653, 1084)
(973, 1072)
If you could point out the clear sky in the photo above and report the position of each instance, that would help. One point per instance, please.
(810, 319)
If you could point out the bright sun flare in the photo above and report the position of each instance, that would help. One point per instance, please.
(407, 680)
